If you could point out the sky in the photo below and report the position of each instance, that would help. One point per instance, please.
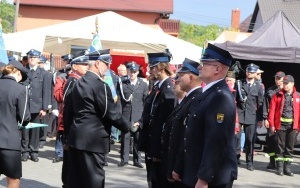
(206, 12)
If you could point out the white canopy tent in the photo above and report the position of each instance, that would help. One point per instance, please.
(112, 27)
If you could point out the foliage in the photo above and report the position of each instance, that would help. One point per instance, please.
(7, 13)
(198, 34)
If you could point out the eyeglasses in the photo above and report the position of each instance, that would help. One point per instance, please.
(204, 63)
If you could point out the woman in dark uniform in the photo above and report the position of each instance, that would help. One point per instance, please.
(14, 109)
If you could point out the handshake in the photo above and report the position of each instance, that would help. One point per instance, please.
(135, 127)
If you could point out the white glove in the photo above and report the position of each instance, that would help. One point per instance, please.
(55, 112)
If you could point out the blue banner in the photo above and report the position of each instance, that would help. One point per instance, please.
(96, 44)
(3, 53)
(108, 79)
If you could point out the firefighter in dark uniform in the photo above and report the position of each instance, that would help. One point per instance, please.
(270, 138)
(144, 122)
(189, 82)
(208, 156)
(249, 99)
(133, 92)
(14, 109)
(46, 118)
(39, 99)
(162, 105)
(94, 111)
(79, 66)
(284, 120)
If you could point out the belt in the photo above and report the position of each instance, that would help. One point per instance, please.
(286, 120)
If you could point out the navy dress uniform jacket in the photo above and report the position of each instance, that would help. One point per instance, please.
(208, 151)
(251, 110)
(133, 110)
(39, 90)
(162, 106)
(68, 105)
(173, 131)
(91, 120)
(144, 121)
(13, 108)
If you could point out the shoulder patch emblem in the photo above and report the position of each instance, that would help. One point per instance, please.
(220, 118)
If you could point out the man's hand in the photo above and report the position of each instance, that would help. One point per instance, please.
(175, 176)
(272, 130)
(55, 112)
(136, 124)
(259, 124)
(42, 113)
(201, 184)
(267, 125)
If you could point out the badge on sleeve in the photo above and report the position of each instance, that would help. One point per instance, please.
(220, 118)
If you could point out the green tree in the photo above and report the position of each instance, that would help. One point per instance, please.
(198, 34)
(7, 14)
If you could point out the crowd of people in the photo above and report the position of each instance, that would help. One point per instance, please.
(188, 122)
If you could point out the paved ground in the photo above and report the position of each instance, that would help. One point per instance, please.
(46, 174)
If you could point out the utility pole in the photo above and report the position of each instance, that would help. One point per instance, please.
(16, 15)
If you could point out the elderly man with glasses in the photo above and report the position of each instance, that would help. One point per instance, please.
(207, 155)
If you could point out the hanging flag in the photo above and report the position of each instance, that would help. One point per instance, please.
(96, 44)
(108, 79)
(3, 53)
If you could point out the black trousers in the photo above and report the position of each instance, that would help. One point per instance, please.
(228, 185)
(52, 125)
(238, 142)
(125, 147)
(149, 170)
(285, 143)
(44, 130)
(249, 142)
(85, 169)
(64, 170)
(270, 139)
(154, 176)
(30, 138)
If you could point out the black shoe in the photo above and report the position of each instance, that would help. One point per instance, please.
(105, 164)
(35, 158)
(57, 159)
(130, 152)
(24, 158)
(271, 166)
(122, 164)
(139, 165)
(112, 142)
(250, 167)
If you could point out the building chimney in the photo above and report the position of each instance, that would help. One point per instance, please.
(235, 19)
